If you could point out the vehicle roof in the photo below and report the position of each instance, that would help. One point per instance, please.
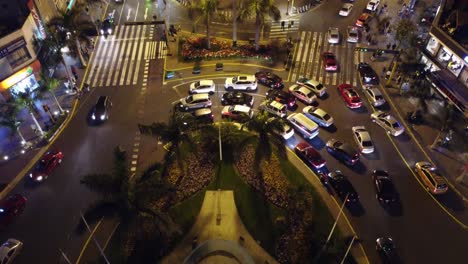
(205, 82)
(246, 77)
(365, 136)
(241, 108)
(305, 90)
(200, 96)
(202, 111)
(276, 104)
(320, 112)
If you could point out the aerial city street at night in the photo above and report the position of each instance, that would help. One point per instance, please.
(233, 131)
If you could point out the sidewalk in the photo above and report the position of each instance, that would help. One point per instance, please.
(452, 159)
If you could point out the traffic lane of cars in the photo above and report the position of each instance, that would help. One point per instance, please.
(53, 207)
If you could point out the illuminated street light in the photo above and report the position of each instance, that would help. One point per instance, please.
(5, 157)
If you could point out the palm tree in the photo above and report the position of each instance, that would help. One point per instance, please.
(239, 14)
(262, 9)
(27, 99)
(71, 27)
(205, 9)
(49, 84)
(9, 119)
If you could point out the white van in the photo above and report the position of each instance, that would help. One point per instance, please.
(305, 126)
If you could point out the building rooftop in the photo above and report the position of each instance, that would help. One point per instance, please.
(453, 20)
(13, 14)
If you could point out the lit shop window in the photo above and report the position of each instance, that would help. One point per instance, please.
(455, 65)
(432, 45)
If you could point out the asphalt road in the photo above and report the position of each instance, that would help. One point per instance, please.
(423, 231)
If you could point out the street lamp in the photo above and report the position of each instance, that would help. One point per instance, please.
(287, 8)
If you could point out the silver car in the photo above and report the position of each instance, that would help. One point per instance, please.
(374, 95)
(313, 85)
(202, 86)
(388, 122)
(363, 139)
(353, 34)
(195, 101)
(9, 250)
(318, 115)
(333, 35)
(303, 93)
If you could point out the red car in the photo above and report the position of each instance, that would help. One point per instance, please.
(349, 95)
(329, 61)
(363, 19)
(46, 165)
(310, 155)
(10, 208)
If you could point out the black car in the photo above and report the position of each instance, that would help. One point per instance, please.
(281, 96)
(342, 151)
(368, 75)
(386, 249)
(343, 187)
(269, 79)
(237, 98)
(203, 115)
(107, 26)
(386, 191)
(101, 110)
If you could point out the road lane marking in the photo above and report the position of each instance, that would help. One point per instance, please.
(132, 58)
(87, 241)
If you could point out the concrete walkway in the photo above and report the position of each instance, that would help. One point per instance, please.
(218, 219)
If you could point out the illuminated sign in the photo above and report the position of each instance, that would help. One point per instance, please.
(20, 75)
(37, 20)
(70, 4)
(12, 46)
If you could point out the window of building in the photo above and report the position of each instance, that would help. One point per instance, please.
(433, 45)
(455, 65)
(444, 55)
(18, 57)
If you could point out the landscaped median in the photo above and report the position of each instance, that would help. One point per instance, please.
(276, 203)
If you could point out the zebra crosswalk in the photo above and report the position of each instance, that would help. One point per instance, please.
(117, 58)
(280, 30)
(307, 61)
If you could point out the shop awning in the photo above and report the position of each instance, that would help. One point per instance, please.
(451, 88)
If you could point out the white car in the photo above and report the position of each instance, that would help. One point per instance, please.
(353, 34)
(333, 35)
(315, 86)
(318, 115)
(302, 93)
(374, 95)
(247, 83)
(388, 122)
(202, 86)
(346, 9)
(286, 130)
(363, 139)
(195, 101)
(9, 250)
(236, 112)
(373, 5)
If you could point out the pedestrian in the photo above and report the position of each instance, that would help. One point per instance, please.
(394, 46)
(388, 46)
(398, 79)
(387, 76)
(282, 25)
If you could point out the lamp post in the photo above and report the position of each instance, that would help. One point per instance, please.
(287, 8)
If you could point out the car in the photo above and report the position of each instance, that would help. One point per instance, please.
(388, 122)
(363, 19)
(374, 95)
(46, 165)
(286, 131)
(368, 75)
(282, 97)
(302, 93)
(202, 86)
(329, 61)
(373, 5)
(342, 151)
(385, 189)
(236, 112)
(431, 178)
(363, 139)
(100, 112)
(318, 115)
(346, 9)
(236, 97)
(241, 82)
(311, 156)
(195, 101)
(269, 79)
(349, 95)
(313, 85)
(343, 187)
(9, 250)
(107, 25)
(204, 115)
(386, 249)
(10, 208)
(275, 108)
(333, 35)
(353, 34)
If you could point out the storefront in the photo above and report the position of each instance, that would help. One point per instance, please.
(25, 79)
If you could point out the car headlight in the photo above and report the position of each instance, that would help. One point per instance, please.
(39, 178)
(103, 116)
(30, 175)
(109, 30)
(102, 31)
(93, 117)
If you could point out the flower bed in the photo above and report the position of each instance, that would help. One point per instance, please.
(194, 48)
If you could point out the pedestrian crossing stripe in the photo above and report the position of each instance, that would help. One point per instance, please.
(307, 59)
(277, 30)
(117, 58)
